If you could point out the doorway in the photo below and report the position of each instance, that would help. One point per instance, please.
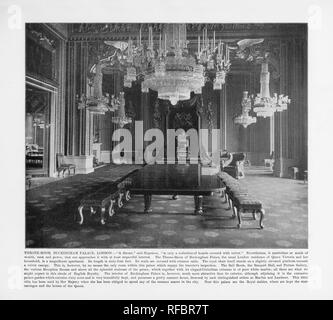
(185, 118)
(37, 135)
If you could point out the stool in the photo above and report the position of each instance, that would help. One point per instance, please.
(247, 203)
(233, 195)
(232, 192)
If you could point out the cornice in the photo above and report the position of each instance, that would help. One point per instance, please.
(227, 31)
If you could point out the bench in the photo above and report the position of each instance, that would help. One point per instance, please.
(124, 187)
(109, 194)
(102, 198)
(236, 167)
(240, 200)
(246, 203)
(233, 194)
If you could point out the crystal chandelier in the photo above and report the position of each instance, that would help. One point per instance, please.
(121, 119)
(94, 105)
(282, 102)
(95, 101)
(38, 122)
(264, 104)
(244, 118)
(213, 56)
(171, 70)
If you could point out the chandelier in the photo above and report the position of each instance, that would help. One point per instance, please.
(95, 102)
(94, 105)
(244, 118)
(282, 102)
(121, 119)
(264, 104)
(38, 122)
(214, 56)
(168, 68)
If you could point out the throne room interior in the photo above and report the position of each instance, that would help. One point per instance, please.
(84, 81)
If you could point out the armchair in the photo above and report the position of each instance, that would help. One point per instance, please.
(236, 167)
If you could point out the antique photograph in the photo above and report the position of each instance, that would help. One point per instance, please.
(166, 135)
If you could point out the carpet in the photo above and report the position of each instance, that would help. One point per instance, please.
(50, 214)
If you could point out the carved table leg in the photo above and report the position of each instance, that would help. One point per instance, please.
(198, 204)
(92, 211)
(147, 198)
(223, 195)
(111, 209)
(128, 195)
(230, 203)
(239, 216)
(254, 215)
(227, 201)
(233, 212)
(81, 214)
(120, 200)
(103, 215)
(225, 198)
(262, 215)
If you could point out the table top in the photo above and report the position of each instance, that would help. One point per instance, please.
(175, 179)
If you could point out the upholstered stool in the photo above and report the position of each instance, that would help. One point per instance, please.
(231, 189)
(225, 177)
(232, 185)
(244, 203)
(233, 192)
(233, 196)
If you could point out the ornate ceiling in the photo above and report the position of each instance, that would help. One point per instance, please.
(229, 31)
(94, 34)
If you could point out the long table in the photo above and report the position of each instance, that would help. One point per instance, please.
(175, 179)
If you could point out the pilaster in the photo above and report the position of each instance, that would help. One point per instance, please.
(79, 122)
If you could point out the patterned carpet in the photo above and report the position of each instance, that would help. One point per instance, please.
(172, 224)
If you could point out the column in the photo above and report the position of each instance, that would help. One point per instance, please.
(145, 114)
(223, 117)
(79, 122)
(291, 125)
